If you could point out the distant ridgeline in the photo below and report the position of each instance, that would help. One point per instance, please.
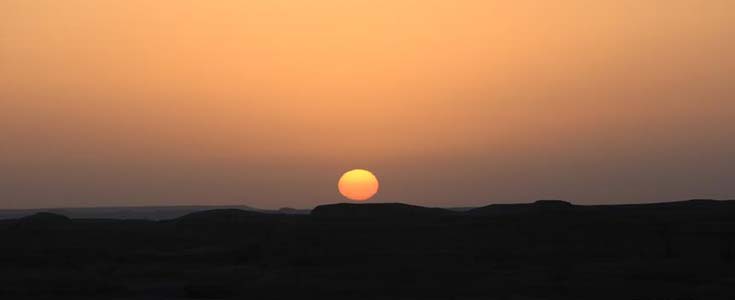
(142, 212)
(364, 211)
(549, 249)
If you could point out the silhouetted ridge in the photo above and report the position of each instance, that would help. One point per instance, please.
(44, 220)
(676, 209)
(686, 204)
(377, 210)
(293, 211)
(541, 250)
(540, 206)
(553, 203)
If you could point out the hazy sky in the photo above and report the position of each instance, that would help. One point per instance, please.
(450, 103)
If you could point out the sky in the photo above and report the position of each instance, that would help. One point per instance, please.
(450, 103)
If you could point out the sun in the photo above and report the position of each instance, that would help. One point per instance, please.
(358, 185)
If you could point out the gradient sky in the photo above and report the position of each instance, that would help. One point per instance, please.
(449, 103)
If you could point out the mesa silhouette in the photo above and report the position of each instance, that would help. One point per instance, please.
(377, 211)
(549, 249)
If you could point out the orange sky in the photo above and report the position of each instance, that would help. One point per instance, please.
(450, 103)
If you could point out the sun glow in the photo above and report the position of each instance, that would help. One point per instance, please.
(358, 185)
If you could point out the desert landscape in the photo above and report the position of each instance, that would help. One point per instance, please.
(543, 250)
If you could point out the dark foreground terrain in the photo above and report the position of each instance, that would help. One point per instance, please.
(545, 250)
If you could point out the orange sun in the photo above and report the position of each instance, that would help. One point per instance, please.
(358, 185)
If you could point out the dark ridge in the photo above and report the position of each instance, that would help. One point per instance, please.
(377, 211)
(553, 203)
(122, 212)
(293, 211)
(540, 206)
(688, 208)
(693, 203)
(43, 220)
(673, 206)
(46, 217)
(552, 250)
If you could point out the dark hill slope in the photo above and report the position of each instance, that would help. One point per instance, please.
(541, 206)
(43, 221)
(664, 212)
(677, 211)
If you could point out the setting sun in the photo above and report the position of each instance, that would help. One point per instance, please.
(358, 185)
(191, 148)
